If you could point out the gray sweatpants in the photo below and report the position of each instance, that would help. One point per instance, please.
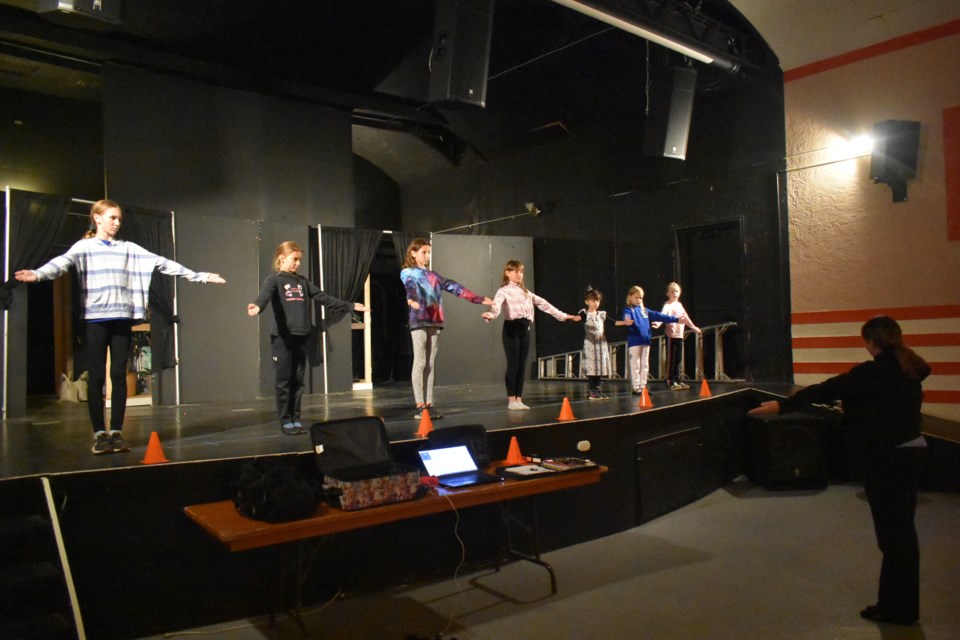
(424, 353)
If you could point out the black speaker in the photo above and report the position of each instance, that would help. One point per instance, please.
(668, 129)
(460, 55)
(896, 145)
(787, 451)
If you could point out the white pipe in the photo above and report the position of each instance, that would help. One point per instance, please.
(176, 334)
(323, 311)
(64, 561)
(636, 30)
(6, 312)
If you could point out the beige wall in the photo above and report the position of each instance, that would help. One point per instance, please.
(854, 252)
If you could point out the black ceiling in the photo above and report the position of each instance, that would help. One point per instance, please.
(549, 66)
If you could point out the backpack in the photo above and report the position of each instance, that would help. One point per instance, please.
(273, 490)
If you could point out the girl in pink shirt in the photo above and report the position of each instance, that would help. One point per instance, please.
(517, 304)
(674, 335)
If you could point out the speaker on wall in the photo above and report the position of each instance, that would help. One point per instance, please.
(893, 161)
(896, 145)
(460, 56)
(668, 130)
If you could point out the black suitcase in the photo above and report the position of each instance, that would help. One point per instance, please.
(353, 455)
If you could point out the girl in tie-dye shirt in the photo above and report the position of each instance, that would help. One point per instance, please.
(426, 318)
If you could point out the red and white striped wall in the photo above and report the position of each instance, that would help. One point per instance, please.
(826, 343)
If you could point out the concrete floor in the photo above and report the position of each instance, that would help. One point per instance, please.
(740, 563)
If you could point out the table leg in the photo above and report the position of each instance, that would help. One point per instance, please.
(533, 533)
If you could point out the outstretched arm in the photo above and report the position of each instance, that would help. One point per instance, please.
(770, 407)
(25, 275)
(685, 319)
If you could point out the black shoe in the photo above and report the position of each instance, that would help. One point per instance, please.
(434, 413)
(292, 428)
(118, 443)
(873, 613)
(636, 392)
(101, 443)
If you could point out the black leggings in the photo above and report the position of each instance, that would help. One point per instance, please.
(290, 353)
(516, 346)
(674, 354)
(115, 335)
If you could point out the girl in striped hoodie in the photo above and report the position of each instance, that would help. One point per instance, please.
(115, 280)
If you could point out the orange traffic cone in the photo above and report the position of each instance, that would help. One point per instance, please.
(513, 453)
(645, 399)
(704, 389)
(154, 451)
(426, 424)
(566, 413)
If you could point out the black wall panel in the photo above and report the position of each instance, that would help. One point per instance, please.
(611, 216)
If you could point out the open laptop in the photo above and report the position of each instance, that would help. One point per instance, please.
(454, 467)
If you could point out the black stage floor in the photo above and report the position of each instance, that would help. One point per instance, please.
(55, 437)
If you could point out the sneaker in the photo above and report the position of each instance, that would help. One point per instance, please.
(513, 405)
(637, 392)
(101, 443)
(118, 443)
(595, 394)
(291, 429)
(523, 406)
(603, 396)
(434, 413)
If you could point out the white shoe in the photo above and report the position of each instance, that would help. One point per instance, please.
(513, 405)
(523, 406)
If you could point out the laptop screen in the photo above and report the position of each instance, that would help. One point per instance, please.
(441, 462)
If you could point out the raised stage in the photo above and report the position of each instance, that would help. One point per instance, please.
(131, 547)
(55, 437)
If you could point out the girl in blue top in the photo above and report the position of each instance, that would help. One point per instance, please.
(637, 318)
(426, 317)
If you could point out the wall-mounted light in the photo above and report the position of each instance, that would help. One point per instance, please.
(893, 161)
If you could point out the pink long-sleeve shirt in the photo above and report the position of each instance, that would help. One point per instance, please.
(518, 303)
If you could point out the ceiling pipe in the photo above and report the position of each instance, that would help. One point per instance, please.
(646, 29)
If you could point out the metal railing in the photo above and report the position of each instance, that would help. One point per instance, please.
(567, 366)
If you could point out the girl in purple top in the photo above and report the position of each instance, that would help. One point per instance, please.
(426, 317)
(518, 304)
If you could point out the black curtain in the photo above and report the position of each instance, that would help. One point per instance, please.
(402, 240)
(153, 230)
(347, 254)
(38, 219)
